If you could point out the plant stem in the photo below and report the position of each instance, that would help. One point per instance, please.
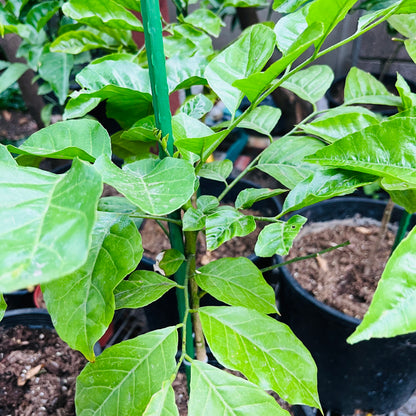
(156, 218)
(403, 226)
(309, 256)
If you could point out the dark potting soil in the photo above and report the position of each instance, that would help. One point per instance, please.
(37, 373)
(342, 278)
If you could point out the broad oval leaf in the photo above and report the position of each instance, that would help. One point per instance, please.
(193, 219)
(77, 41)
(310, 84)
(206, 20)
(161, 191)
(141, 288)
(162, 403)
(262, 119)
(218, 170)
(324, 184)
(238, 282)
(98, 14)
(373, 151)
(393, 308)
(125, 376)
(264, 350)
(283, 159)
(47, 221)
(244, 57)
(171, 261)
(337, 123)
(86, 139)
(247, 197)
(216, 392)
(196, 106)
(226, 223)
(85, 298)
(363, 88)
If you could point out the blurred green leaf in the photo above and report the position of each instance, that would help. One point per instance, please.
(247, 197)
(11, 74)
(206, 20)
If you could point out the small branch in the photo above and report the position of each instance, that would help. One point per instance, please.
(309, 256)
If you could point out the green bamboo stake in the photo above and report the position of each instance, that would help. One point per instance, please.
(403, 226)
(157, 71)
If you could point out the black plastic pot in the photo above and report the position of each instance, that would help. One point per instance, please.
(31, 317)
(378, 375)
(163, 312)
(19, 299)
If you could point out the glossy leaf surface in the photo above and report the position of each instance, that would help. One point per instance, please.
(226, 223)
(264, 350)
(141, 288)
(277, 238)
(238, 282)
(159, 191)
(85, 298)
(162, 403)
(244, 57)
(215, 392)
(393, 309)
(196, 106)
(171, 261)
(47, 221)
(125, 376)
(283, 159)
(86, 139)
(247, 197)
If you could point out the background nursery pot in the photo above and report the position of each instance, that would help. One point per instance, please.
(378, 375)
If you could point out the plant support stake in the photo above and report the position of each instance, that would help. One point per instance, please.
(160, 94)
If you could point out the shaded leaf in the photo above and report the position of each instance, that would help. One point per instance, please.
(85, 298)
(405, 198)
(407, 96)
(277, 238)
(288, 6)
(264, 350)
(337, 123)
(125, 376)
(247, 197)
(3, 306)
(171, 261)
(116, 204)
(393, 309)
(238, 282)
(161, 190)
(47, 221)
(226, 223)
(162, 403)
(86, 139)
(242, 58)
(216, 392)
(40, 14)
(11, 74)
(141, 288)
(283, 159)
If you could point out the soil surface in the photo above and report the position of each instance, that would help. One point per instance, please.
(15, 125)
(344, 278)
(37, 373)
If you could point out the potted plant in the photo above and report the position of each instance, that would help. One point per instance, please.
(59, 232)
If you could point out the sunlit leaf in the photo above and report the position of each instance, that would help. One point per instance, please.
(218, 170)
(205, 19)
(247, 197)
(262, 119)
(171, 261)
(162, 403)
(197, 106)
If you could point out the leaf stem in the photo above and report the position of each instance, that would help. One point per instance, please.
(157, 218)
(309, 256)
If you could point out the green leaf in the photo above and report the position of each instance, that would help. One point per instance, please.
(244, 57)
(322, 185)
(264, 350)
(162, 190)
(162, 403)
(410, 45)
(247, 197)
(117, 204)
(337, 123)
(97, 13)
(197, 106)
(193, 220)
(288, 6)
(226, 223)
(373, 151)
(407, 96)
(277, 238)
(47, 221)
(171, 261)
(218, 170)
(262, 119)
(55, 68)
(393, 309)
(363, 88)
(245, 3)
(86, 139)
(125, 376)
(404, 23)
(207, 203)
(77, 41)
(143, 130)
(141, 288)
(238, 282)
(255, 84)
(6, 157)
(40, 14)
(310, 84)
(283, 159)
(85, 298)
(405, 198)
(216, 392)
(3, 306)
(206, 20)
(11, 74)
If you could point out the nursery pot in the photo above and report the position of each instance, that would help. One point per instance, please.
(163, 312)
(378, 375)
